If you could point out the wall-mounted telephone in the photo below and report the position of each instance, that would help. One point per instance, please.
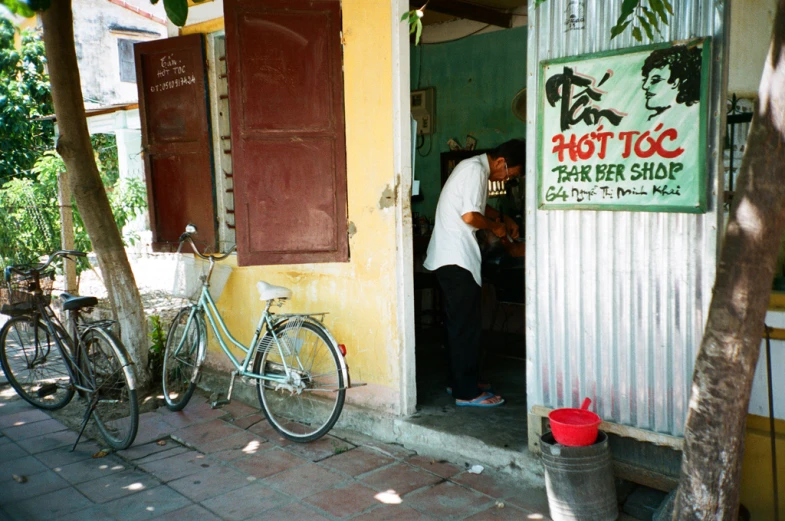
(423, 110)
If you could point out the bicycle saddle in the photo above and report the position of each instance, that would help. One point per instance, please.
(71, 302)
(270, 292)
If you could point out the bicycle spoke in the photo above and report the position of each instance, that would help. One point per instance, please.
(116, 409)
(301, 404)
(185, 344)
(33, 363)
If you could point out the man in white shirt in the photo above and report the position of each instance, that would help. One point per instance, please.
(454, 255)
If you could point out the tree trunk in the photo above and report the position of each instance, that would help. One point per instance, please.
(85, 182)
(722, 382)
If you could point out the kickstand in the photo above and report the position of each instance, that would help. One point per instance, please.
(87, 414)
(228, 399)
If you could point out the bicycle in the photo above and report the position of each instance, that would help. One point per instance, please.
(297, 366)
(47, 365)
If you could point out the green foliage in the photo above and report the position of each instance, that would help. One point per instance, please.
(26, 8)
(155, 357)
(105, 145)
(414, 19)
(642, 17)
(24, 96)
(32, 226)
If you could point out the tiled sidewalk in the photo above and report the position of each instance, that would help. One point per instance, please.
(206, 465)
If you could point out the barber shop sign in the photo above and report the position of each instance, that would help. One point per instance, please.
(625, 130)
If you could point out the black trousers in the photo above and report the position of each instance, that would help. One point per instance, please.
(463, 324)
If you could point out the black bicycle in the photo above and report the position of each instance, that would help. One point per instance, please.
(47, 364)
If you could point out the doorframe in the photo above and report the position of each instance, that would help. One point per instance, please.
(402, 159)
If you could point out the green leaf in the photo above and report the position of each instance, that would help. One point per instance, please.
(177, 11)
(646, 27)
(616, 30)
(668, 6)
(19, 7)
(652, 19)
(636, 33)
(419, 32)
(405, 15)
(153, 2)
(651, 16)
(627, 8)
(537, 3)
(659, 8)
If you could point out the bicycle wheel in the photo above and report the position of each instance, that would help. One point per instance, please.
(33, 364)
(304, 405)
(116, 410)
(185, 344)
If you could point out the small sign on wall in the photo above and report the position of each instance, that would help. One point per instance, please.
(625, 130)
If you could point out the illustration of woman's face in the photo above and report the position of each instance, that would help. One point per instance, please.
(660, 94)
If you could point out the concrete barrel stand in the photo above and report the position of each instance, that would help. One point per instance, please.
(579, 480)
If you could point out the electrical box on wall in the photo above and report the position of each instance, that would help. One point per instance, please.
(423, 112)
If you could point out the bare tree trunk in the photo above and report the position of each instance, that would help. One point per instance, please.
(722, 382)
(85, 182)
(66, 229)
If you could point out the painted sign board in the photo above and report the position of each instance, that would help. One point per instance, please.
(625, 130)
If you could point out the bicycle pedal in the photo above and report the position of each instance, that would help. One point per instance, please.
(46, 390)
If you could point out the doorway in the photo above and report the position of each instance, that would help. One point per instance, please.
(464, 80)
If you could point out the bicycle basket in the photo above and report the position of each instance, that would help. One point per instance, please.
(17, 296)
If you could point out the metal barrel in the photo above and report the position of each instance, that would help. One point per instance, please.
(579, 480)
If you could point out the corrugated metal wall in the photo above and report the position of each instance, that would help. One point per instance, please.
(617, 301)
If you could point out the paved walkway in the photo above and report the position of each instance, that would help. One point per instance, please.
(229, 464)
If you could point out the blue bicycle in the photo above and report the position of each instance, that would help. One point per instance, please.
(296, 365)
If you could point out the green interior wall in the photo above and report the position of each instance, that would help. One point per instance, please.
(475, 80)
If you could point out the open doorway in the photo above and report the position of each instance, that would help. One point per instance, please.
(467, 85)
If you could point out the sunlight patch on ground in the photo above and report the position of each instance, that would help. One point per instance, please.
(389, 497)
(135, 486)
(535, 516)
(252, 447)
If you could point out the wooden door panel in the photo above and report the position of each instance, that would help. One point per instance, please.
(293, 66)
(284, 63)
(179, 195)
(176, 139)
(278, 201)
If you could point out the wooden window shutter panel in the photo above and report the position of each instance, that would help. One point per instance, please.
(173, 108)
(284, 61)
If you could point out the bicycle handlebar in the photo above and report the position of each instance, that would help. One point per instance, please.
(186, 237)
(27, 272)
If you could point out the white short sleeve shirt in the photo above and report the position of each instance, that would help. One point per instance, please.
(453, 241)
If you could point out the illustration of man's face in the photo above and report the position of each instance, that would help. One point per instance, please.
(660, 95)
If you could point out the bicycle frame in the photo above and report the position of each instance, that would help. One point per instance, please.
(266, 324)
(77, 375)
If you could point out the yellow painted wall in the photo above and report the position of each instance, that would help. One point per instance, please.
(756, 484)
(361, 295)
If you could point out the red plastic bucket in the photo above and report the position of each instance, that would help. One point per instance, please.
(575, 427)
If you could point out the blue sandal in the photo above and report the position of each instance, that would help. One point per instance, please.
(478, 402)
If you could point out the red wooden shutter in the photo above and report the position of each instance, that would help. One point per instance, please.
(176, 139)
(284, 62)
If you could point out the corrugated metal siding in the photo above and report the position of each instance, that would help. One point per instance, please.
(617, 301)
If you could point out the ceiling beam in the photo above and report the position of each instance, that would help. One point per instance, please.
(467, 11)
